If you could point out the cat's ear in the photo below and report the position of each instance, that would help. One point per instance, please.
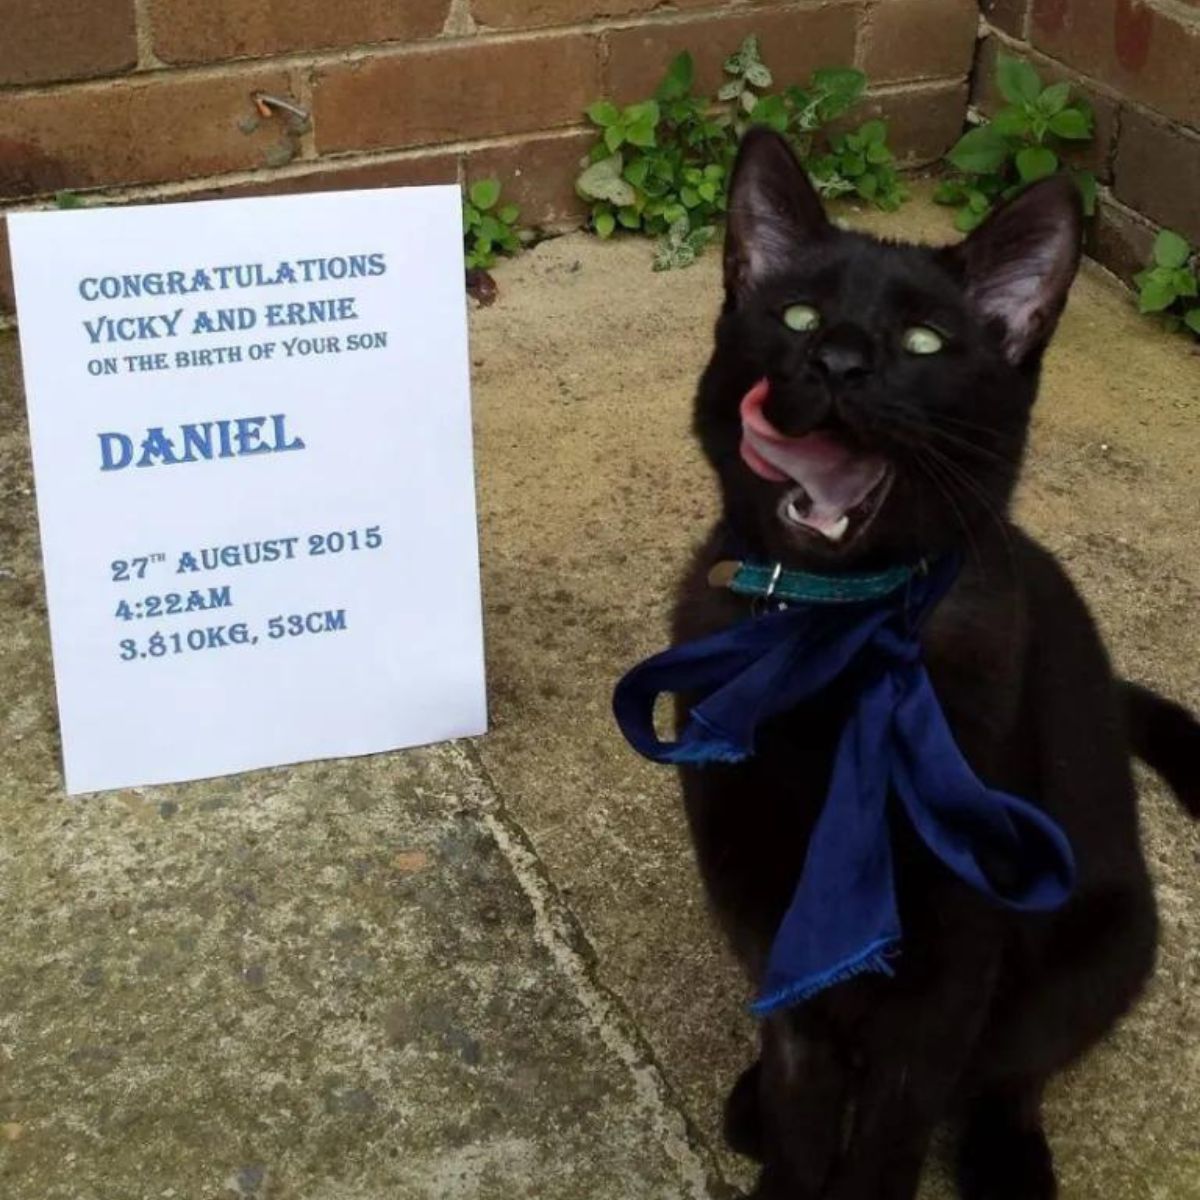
(773, 210)
(1019, 264)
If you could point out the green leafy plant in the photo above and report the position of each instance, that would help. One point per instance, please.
(1018, 146)
(661, 166)
(861, 163)
(489, 228)
(749, 76)
(682, 244)
(1170, 285)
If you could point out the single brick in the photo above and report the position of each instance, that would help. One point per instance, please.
(792, 44)
(923, 123)
(147, 131)
(532, 14)
(1148, 54)
(920, 39)
(1158, 173)
(1119, 239)
(45, 40)
(1009, 15)
(8, 303)
(184, 31)
(1095, 155)
(456, 92)
(538, 173)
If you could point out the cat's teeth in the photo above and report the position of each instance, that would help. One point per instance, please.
(837, 531)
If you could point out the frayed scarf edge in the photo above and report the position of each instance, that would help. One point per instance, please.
(871, 960)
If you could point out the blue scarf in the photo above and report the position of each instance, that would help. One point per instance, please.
(843, 920)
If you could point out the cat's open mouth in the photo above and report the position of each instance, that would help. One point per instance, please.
(797, 509)
(840, 487)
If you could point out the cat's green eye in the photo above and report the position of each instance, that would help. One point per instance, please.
(801, 317)
(920, 339)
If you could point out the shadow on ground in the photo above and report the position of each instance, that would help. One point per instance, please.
(486, 970)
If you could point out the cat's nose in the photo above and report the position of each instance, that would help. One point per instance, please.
(844, 354)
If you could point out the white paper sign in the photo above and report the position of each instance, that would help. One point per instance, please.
(252, 451)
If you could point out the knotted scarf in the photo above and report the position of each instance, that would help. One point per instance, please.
(843, 919)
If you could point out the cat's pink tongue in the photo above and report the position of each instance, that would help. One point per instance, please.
(835, 477)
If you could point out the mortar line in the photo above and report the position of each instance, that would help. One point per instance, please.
(300, 169)
(862, 32)
(147, 60)
(302, 88)
(561, 934)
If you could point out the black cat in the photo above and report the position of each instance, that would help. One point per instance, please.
(917, 368)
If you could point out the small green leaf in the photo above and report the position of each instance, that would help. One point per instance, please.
(1170, 250)
(1011, 122)
(757, 74)
(771, 111)
(877, 153)
(641, 132)
(873, 133)
(867, 185)
(1185, 281)
(1036, 162)
(967, 219)
(614, 136)
(979, 151)
(1073, 124)
(484, 193)
(730, 90)
(748, 102)
(853, 164)
(844, 82)
(603, 113)
(678, 80)
(602, 181)
(647, 110)
(1191, 319)
(689, 196)
(1054, 99)
(603, 221)
(629, 217)
(637, 170)
(1158, 293)
(509, 214)
(1018, 81)
(491, 229)
(949, 191)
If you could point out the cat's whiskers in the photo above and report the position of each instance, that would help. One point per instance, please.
(940, 484)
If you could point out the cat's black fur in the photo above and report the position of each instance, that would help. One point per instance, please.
(985, 1005)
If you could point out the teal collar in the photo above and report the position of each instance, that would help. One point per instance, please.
(772, 582)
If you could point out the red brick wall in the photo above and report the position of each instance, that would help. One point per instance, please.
(1139, 63)
(140, 99)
